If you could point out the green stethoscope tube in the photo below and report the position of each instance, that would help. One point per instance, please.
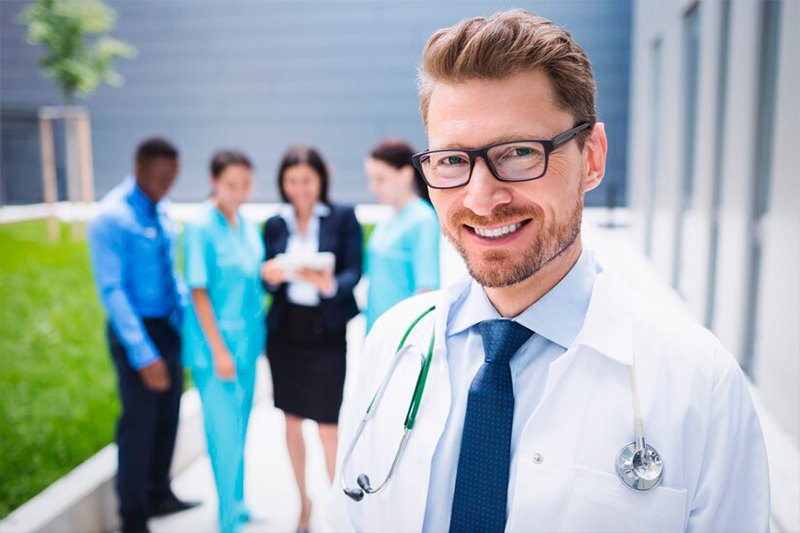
(411, 415)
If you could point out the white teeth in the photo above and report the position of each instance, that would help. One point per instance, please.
(497, 232)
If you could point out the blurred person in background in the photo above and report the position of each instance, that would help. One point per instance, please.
(310, 309)
(224, 331)
(132, 245)
(403, 251)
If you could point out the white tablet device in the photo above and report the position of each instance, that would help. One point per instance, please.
(316, 261)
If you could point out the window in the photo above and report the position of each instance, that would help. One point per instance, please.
(719, 143)
(762, 167)
(655, 122)
(691, 60)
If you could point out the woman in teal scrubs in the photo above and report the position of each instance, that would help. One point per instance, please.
(403, 251)
(225, 329)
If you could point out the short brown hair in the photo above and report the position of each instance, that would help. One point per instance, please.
(505, 44)
(228, 158)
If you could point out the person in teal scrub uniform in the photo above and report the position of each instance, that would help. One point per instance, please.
(225, 329)
(403, 251)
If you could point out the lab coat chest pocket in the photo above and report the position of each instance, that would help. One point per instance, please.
(598, 501)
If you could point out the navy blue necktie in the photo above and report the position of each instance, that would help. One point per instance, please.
(479, 501)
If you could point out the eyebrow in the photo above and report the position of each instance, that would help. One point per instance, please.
(498, 140)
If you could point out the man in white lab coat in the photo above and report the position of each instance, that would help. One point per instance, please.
(532, 390)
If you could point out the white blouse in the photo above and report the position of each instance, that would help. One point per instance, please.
(301, 292)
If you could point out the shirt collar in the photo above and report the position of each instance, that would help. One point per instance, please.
(139, 200)
(287, 213)
(219, 217)
(558, 315)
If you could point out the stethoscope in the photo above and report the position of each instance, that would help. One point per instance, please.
(638, 465)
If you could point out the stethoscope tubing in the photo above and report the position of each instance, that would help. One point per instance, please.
(634, 475)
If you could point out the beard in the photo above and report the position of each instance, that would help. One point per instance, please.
(500, 268)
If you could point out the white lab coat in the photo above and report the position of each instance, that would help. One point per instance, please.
(697, 413)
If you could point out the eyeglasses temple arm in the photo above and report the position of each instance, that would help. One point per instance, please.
(568, 135)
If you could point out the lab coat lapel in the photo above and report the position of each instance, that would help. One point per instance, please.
(412, 479)
(607, 330)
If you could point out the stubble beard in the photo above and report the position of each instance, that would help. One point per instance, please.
(497, 268)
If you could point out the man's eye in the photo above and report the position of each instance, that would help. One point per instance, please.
(451, 160)
(521, 151)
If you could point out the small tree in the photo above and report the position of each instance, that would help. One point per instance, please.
(62, 27)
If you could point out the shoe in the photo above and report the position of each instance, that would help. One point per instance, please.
(169, 504)
(304, 529)
(248, 515)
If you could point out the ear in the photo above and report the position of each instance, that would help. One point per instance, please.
(212, 182)
(595, 151)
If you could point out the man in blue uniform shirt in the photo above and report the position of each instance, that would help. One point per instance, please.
(132, 244)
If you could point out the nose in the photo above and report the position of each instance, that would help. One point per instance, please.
(484, 193)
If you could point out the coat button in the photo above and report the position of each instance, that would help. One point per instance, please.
(537, 458)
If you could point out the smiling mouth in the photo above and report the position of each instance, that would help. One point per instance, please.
(497, 233)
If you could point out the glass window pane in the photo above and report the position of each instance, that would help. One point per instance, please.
(691, 61)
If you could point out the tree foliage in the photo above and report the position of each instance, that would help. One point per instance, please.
(62, 27)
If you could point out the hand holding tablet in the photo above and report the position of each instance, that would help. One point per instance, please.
(291, 263)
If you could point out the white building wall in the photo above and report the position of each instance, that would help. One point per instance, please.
(776, 363)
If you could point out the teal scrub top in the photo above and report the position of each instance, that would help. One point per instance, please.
(402, 258)
(225, 261)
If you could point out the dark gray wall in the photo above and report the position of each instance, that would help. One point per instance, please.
(260, 75)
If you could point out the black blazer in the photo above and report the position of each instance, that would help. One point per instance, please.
(340, 233)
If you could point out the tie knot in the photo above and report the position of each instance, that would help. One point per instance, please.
(502, 339)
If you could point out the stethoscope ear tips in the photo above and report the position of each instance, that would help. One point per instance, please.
(363, 482)
(358, 494)
(355, 494)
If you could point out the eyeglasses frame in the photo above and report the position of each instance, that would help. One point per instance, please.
(549, 145)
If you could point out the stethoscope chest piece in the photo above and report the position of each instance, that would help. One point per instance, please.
(639, 467)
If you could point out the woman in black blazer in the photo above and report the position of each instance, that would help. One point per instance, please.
(306, 344)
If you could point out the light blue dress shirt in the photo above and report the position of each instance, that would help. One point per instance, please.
(555, 320)
(225, 261)
(132, 248)
(402, 258)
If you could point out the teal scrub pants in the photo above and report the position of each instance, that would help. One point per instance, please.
(226, 410)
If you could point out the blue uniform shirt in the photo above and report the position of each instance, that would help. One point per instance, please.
(226, 261)
(402, 258)
(132, 248)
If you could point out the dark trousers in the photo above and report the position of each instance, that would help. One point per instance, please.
(148, 424)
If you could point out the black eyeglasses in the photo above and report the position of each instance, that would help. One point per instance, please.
(512, 161)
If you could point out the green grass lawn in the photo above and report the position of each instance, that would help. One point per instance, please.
(58, 400)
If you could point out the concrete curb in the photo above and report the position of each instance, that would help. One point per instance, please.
(85, 500)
